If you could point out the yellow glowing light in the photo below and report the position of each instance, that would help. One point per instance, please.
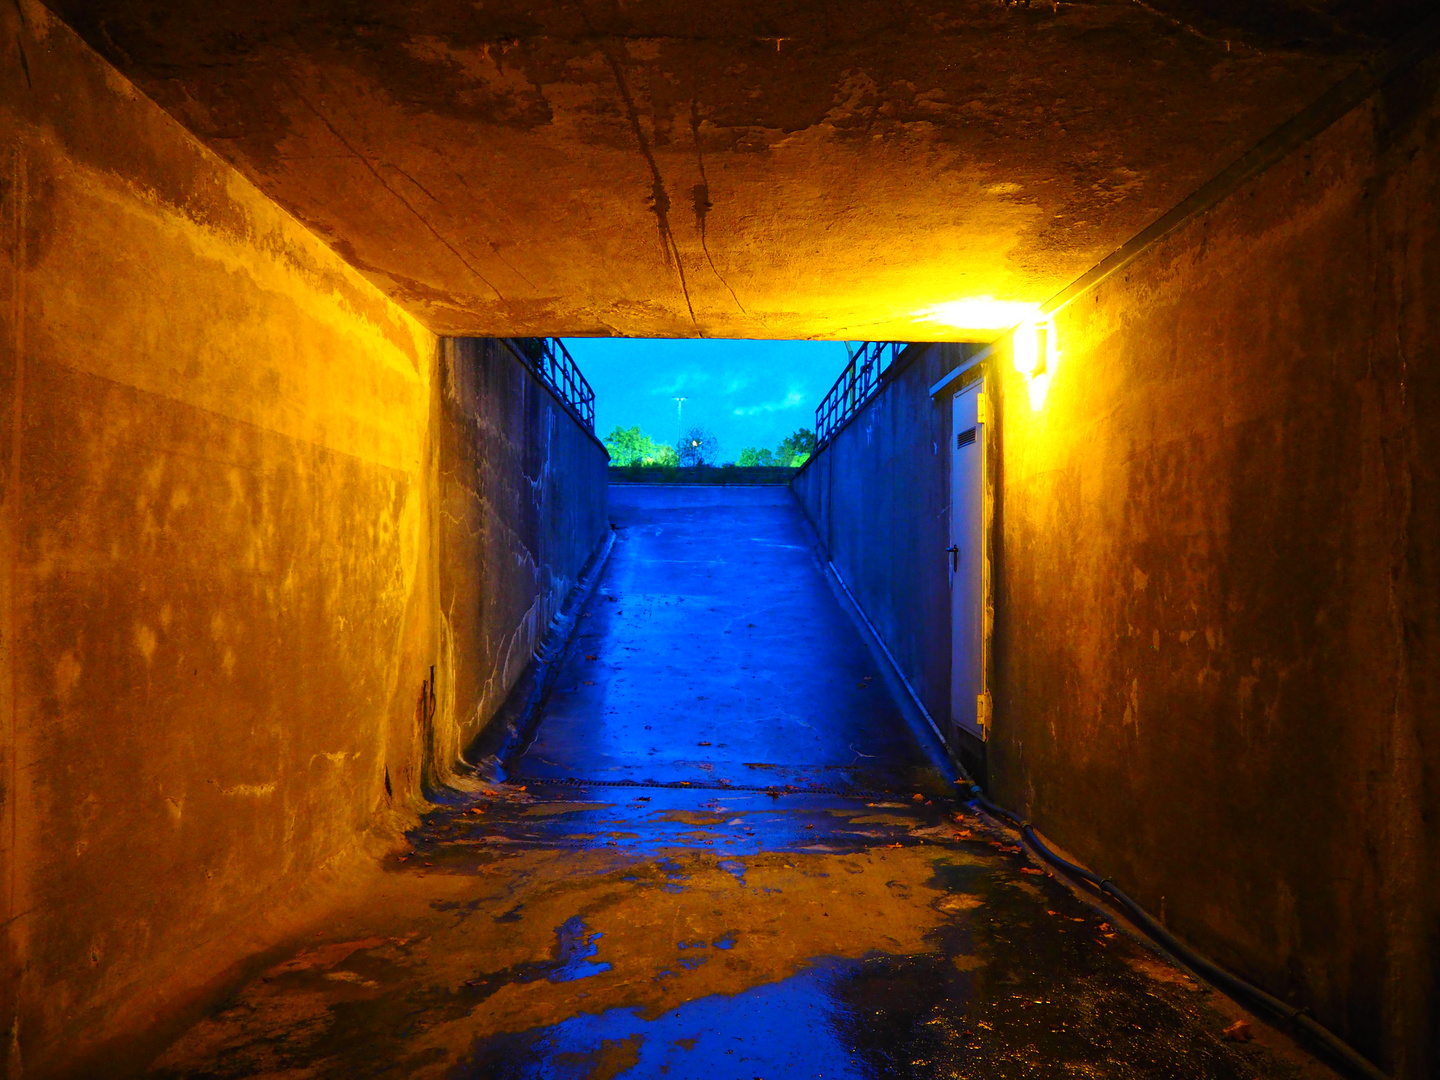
(1035, 355)
(1039, 386)
(978, 313)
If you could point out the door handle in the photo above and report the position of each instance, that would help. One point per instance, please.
(954, 552)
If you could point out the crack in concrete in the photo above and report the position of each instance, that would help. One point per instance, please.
(427, 192)
(20, 44)
(703, 205)
(659, 198)
(403, 201)
(510, 266)
(493, 245)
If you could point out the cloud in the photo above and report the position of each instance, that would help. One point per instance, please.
(684, 381)
(792, 400)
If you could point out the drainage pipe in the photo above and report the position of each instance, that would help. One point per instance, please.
(1319, 1037)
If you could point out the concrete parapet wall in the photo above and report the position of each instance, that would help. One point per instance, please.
(271, 555)
(523, 495)
(878, 496)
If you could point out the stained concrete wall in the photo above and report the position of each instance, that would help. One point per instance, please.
(878, 496)
(523, 491)
(1217, 642)
(233, 474)
(1216, 545)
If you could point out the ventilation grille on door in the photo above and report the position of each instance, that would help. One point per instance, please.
(965, 438)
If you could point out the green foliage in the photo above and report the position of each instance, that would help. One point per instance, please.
(795, 450)
(698, 447)
(631, 447)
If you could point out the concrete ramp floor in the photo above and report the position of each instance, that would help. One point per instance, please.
(724, 856)
(713, 653)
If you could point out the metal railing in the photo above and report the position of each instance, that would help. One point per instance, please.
(557, 369)
(863, 376)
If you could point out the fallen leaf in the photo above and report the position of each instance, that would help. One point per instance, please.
(592, 658)
(589, 682)
(702, 744)
(1030, 870)
(918, 797)
(1239, 1031)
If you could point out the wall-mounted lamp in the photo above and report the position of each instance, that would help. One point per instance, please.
(1034, 348)
(1035, 355)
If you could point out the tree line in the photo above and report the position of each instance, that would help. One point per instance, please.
(793, 451)
(698, 446)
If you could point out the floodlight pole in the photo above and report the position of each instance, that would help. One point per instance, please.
(679, 407)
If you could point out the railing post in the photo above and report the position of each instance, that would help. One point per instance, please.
(556, 368)
(859, 380)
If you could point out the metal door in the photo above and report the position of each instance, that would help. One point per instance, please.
(966, 555)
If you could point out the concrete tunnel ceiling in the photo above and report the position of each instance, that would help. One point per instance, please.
(803, 169)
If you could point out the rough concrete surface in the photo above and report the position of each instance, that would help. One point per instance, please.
(522, 490)
(729, 169)
(271, 554)
(1216, 640)
(220, 605)
(707, 592)
(616, 926)
(878, 497)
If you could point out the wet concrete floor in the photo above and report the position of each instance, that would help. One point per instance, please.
(725, 854)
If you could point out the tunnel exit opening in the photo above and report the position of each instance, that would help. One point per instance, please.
(883, 486)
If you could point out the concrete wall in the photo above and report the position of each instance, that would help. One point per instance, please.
(878, 496)
(1216, 545)
(1217, 669)
(523, 491)
(233, 474)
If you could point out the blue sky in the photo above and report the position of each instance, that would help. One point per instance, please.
(749, 393)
